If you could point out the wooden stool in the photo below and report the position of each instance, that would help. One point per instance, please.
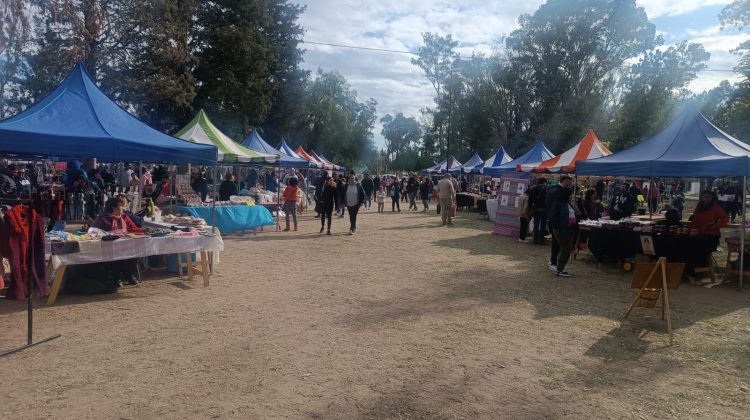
(192, 268)
(709, 269)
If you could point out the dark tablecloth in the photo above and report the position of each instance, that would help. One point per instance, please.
(622, 244)
(464, 200)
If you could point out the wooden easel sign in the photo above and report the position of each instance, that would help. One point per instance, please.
(653, 280)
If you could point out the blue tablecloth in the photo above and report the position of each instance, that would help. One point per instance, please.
(233, 218)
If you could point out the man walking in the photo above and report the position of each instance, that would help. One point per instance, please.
(368, 186)
(447, 197)
(537, 195)
(553, 196)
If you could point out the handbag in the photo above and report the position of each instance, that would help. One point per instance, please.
(438, 208)
(453, 210)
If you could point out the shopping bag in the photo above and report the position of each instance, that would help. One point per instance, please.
(453, 210)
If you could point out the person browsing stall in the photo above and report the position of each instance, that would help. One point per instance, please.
(562, 220)
(290, 196)
(228, 188)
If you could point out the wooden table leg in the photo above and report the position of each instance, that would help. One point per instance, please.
(179, 265)
(56, 285)
(189, 258)
(204, 268)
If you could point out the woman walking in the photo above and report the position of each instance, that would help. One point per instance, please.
(290, 196)
(395, 195)
(353, 198)
(327, 200)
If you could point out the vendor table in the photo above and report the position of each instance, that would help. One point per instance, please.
(233, 218)
(466, 200)
(127, 248)
(621, 244)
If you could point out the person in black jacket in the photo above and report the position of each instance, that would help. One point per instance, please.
(200, 185)
(354, 197)
(553, 195)
(340, 196)
(537, 194)
(228, 188)
(327, 203)
(562, 220)
(375, 185)
(623, 203)
(368, 185)
(425, 188)
(395, 194)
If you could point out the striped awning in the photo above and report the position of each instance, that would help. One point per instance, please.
(588, 148)
(201, 130)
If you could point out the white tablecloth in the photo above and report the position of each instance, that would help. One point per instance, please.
(491, 208)
(127, 248)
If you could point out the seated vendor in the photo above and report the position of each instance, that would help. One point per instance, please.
(709, 217)
(115, 221)
(671, 218)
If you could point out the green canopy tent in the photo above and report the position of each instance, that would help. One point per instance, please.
(201, 130)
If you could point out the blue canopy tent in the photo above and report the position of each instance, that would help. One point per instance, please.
(286, 150)
(538, 153)
(446, 165)
(689, 146)
(255, 142)
(469, 165)
(78, 120)
(500, 157)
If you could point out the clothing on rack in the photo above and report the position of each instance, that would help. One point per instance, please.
(22, 243)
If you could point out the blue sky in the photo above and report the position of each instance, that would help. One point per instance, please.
(398, 86)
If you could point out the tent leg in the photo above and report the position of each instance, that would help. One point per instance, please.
(742, 231)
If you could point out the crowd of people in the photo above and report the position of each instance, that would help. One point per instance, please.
(556, 211)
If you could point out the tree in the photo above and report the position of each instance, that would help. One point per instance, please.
(436, 58)
(400, 133)
(335, 123)
(167, 86)
(233, 56)
(15, 37)
(572, 50)
(653, 85)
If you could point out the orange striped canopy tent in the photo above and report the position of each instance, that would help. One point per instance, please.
(588, 148)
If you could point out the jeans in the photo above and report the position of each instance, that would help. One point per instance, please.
(353, 210)
(394, 204)
(368, 199)
(326, 214)
(412, 201)
(426, 203)
(290, 209)
(540, 225)
(554, 249)
(524, 231)
(565, 238)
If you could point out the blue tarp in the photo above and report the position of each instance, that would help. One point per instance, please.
(78, 120)
(500, 157)
(233, 218)
(538, 153)
(469, 165)
(255, 142)
(689, 146)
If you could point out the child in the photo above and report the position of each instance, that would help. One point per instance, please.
(290, 195)
(380, 199)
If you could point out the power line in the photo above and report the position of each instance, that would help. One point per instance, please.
(463, 57)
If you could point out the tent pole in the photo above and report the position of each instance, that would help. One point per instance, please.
(648, 199)
(742, 231)
(213, 202)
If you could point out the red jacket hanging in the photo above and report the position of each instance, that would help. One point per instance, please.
(22, 243)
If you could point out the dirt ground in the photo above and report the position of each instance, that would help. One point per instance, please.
(406, 320)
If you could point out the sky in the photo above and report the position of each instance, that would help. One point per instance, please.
(399, 86)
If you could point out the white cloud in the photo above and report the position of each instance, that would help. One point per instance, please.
(658, 8)
(399, 86)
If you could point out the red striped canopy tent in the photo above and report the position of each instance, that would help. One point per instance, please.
(304, 155)
(588, 148)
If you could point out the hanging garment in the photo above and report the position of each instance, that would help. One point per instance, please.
(22, 243)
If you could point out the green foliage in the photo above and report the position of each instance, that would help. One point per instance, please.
(400, 134)
(334, 123)
(652, 87)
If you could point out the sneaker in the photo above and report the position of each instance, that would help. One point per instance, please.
(321, 229)
(523, 241)
(552, 267)
(563, 274)
(351, 232)
(328, 233)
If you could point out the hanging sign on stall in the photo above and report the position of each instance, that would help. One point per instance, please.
(513, 184)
